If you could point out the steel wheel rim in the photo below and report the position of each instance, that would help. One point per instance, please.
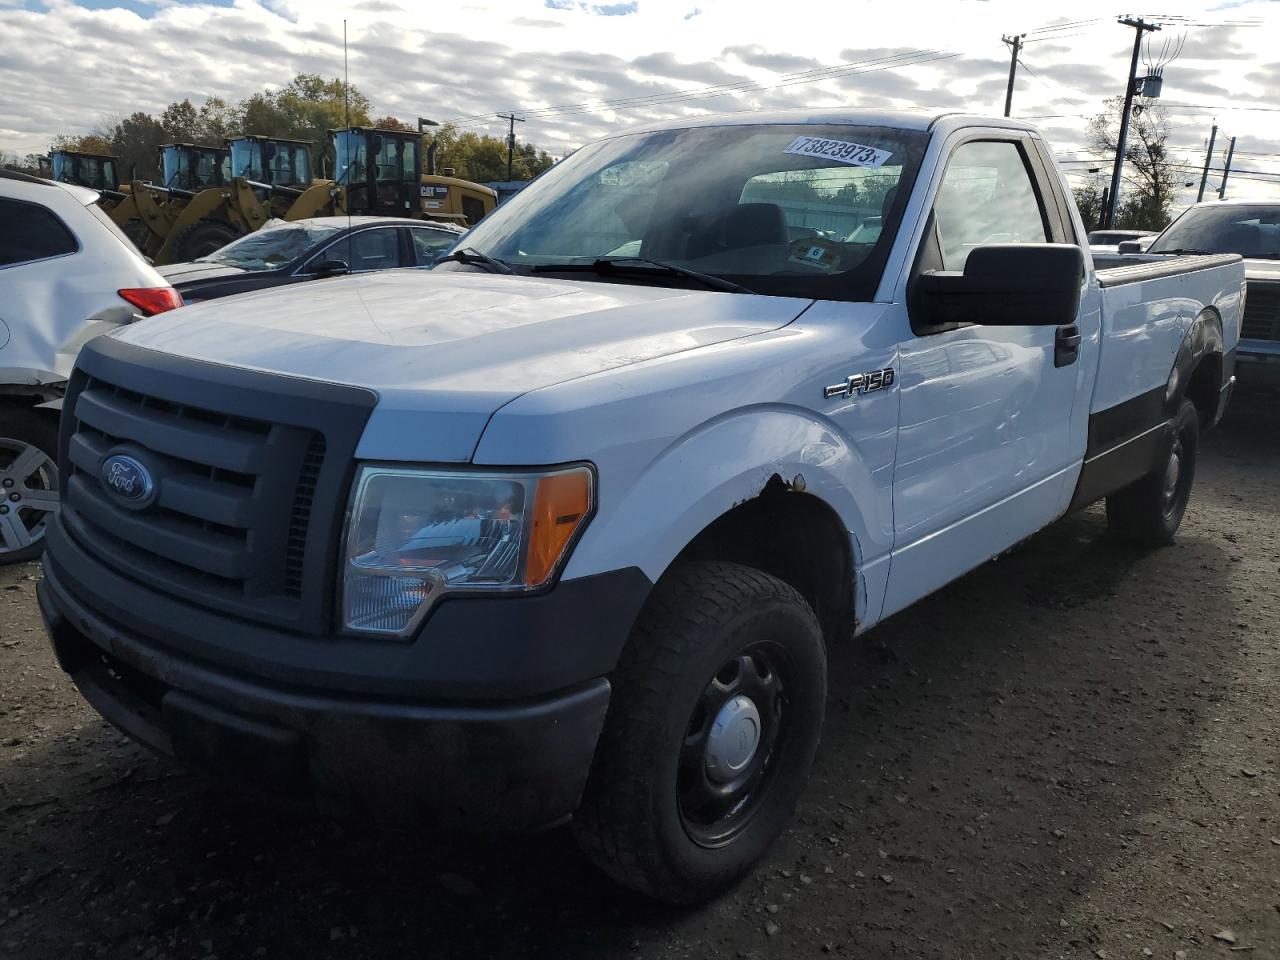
(28, 494)
(718, 800)
(1173, 477)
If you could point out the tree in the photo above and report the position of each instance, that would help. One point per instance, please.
(1089, 201)
(136, 140)
(481, 157)
(1148, 181)
(390, 123)
(28, 163)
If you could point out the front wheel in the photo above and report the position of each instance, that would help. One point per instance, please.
(201, 239)
(28, 483)
(716, 713)
(1151, 510)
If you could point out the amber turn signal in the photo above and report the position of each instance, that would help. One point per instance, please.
(561, 506)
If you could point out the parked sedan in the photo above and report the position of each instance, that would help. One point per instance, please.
(293, 251)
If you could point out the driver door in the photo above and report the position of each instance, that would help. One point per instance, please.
(985, 416)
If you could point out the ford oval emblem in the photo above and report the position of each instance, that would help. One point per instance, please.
(128, 479)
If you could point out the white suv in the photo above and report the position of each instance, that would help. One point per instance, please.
(67, 274)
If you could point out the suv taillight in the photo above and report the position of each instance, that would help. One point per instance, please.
(152, 300)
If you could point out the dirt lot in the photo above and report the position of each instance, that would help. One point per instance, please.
(1072, 752)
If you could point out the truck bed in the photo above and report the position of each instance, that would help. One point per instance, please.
(1114, 269)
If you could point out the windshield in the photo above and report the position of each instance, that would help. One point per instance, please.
(786, 210)
(176, 163)
(350, 156)
(275, 245)
(1252, 230)
(268, 161)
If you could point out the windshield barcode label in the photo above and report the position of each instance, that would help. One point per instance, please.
(841, 151)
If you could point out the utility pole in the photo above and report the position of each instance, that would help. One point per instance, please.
(1226, 169)
(1208, 159)
(1140, 27)
(1015, 45)
(511, 137)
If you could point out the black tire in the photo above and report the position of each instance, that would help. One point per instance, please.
(26, 435)
(201, 238)
(1150, 510)
(653, 816)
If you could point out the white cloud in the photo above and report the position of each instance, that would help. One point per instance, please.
(64, 66)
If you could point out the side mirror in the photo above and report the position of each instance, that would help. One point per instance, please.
(328, 268)
(1007, 285)
(1129, 246)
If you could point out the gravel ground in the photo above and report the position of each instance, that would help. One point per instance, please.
(1071, 752)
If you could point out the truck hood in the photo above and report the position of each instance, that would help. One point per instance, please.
(445, 350)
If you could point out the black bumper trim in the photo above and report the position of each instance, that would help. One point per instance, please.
(469, 649)
(506, 767)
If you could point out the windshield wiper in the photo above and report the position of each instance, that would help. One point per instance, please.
(1185, 251)
(474, 258)
(605, 266)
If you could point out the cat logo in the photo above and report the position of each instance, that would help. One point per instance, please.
(859, 383)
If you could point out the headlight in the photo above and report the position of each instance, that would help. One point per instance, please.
(416, 535)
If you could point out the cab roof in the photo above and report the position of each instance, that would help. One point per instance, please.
(853, 116)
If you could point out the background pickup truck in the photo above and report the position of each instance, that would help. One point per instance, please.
(563, 528)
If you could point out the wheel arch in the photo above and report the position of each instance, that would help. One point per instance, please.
(1199, 369)
(777, 488)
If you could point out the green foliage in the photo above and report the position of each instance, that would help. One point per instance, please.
(1149, 180)
(483, 157)
(1089, 201)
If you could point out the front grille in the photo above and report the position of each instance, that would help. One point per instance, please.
(250, 480)
(1261, 312)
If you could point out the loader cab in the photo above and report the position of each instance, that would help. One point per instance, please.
(380, 169)
(190, 166)
(271, 161)
(93, 170)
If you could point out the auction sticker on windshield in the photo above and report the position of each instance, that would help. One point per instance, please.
(841, 151)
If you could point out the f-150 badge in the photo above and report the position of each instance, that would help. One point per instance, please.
(859, 383)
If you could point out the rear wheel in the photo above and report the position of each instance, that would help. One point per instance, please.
(201, 239)
(1151, 510)
(28, 483)
(716, 713)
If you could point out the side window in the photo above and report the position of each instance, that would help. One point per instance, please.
(31, 233)
(472, 209)
(429, 244)
(986, 196)
(377, 249)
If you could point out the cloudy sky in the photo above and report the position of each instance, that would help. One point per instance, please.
(580, 68)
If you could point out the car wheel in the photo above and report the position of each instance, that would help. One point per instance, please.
(201, 239)
(1151, 510)
(715, 717)
(28, 483)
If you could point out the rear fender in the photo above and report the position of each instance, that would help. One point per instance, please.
(725, 463)
(1203, 340)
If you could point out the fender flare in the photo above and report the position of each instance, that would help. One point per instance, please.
(736, 456)
(1202, 339)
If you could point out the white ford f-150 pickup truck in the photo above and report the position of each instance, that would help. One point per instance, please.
(562, 529)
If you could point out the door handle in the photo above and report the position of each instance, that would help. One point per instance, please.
(1066, 345)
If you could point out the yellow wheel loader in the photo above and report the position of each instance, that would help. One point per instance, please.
(97, 171)
(267, 175)
(148, 211)
(378, 172)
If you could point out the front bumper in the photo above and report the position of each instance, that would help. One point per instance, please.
(509, 765)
